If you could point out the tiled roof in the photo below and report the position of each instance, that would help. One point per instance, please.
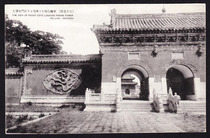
(13, 71)
(62, 58)
(154, 21)
(129, 83)
(128, 78)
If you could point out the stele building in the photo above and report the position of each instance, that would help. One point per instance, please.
(139, 54)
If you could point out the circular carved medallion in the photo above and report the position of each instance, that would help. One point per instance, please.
(62, 81)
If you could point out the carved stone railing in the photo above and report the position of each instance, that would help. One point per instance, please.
(95, 97)
(100, 101)
(91, 96)
(109, 97)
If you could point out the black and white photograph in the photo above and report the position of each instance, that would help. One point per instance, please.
(105, 68)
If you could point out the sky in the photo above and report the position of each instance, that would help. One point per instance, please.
(76, 29)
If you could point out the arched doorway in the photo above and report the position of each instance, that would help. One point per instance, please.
(134, 85)
(180, 80)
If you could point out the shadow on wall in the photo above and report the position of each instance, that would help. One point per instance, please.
(91, 79)
(179, 84)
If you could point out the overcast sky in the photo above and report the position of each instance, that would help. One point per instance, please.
(78, 38)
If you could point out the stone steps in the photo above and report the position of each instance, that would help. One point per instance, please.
(193, 106)
(145, 106)
(139, 106)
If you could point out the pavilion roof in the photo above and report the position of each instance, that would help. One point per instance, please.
(62, 58)
(129, 83)
(128, 78)
(162, 21)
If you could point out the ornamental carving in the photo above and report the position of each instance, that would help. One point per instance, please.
(62, 81)
(105, 38)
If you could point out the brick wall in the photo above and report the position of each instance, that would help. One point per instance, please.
(34, 80)
(113, 61)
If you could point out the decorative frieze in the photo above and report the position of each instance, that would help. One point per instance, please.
(117, 39)
(157, 47)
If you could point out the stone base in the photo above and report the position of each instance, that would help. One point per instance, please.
(52, 100)
(100, 107)
(191, 97)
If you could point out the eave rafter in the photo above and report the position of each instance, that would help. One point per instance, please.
(136, 38)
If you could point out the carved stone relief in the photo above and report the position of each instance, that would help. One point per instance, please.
(62, 81)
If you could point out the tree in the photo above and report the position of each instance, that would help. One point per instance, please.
(18, 36)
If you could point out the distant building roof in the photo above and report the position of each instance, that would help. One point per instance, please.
(62, 58)
(128, 78)
(13, 71)
(154, 21)
(129, 83)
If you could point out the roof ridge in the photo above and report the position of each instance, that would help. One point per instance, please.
(161, 21)
(63, 55)
(162, 15)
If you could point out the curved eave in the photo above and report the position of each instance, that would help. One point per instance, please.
(14, 73)
(62, 59)
(128, 78)
(129, 83)
(58, 61)
(149, 30)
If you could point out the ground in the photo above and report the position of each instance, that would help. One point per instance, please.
(73, 121)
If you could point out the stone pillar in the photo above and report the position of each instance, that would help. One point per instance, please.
(24, 82)
(164, 86)
(197, 84)
(151, 87)
(118, 87)
(102, 95)
(118, 93)
(87, 98)
(25, 90)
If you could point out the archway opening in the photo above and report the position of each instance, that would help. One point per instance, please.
(134, 85)
(180, 80)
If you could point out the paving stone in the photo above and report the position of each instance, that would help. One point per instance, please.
(77, 122)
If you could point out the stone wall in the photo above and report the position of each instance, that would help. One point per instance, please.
(34, 83)
(13, 87)
(35, 91)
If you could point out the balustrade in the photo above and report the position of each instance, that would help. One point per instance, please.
(90, 95)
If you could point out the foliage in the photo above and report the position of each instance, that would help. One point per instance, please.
(21, 118)
(19, 36)
(14, 56)
(64, 106)
(9, 120)
(41, 115)
(31, 118)
(29, 103)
